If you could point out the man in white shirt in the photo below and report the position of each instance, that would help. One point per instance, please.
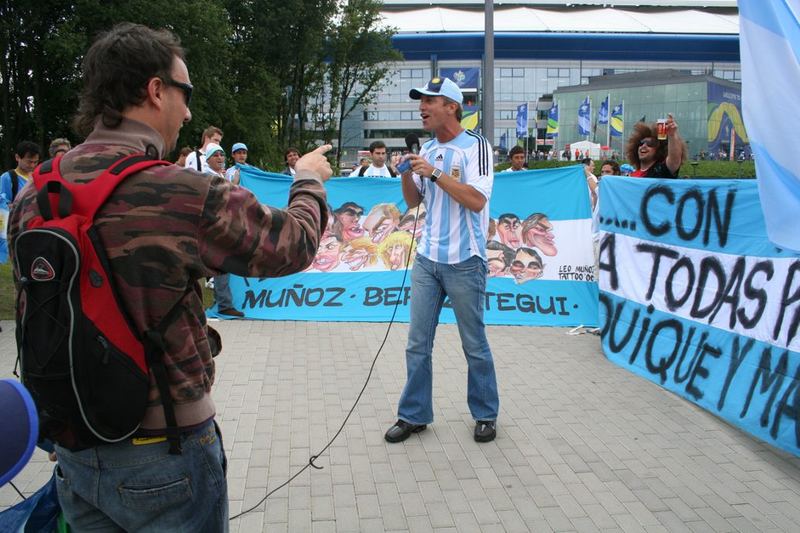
(378, 168)
(453, 177)
(197, 159)
(517, 157)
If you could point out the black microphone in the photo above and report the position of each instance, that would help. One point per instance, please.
(412, 142)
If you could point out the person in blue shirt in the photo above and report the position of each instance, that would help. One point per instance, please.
(27, 156)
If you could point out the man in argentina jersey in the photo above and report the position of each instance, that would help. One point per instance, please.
(452, 176)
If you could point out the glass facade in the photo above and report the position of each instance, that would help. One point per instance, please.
(686, 101)
(392, 115)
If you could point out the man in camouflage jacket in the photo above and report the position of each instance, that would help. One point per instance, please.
(164, 229)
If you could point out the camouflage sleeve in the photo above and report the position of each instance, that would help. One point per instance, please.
(241, 236)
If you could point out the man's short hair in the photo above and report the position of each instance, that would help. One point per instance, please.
(56, 145)
(209, 132)
(375, 145)
(289, 151)
(459, 108)
(27, 147)
(615, 170)
(586, 161)
(116, 70)
(516, 150)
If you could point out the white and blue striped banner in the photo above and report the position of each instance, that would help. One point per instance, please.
(352, 280)
(695, 298)
(769, 40)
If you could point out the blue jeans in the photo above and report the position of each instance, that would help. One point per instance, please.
(465, 284)
(222, 292)
(127, 487)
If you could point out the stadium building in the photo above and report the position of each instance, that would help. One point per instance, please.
(547, 47)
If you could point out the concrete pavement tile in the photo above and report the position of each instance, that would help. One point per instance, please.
(419, 524)
(367, 505)
(582, 444)
(322, 508)
(557, 520)
(439, 515)
(484, 512)
(393, 517)
(628, 523)
(299, 520)
(466, 523)
(599, 516)
(347, 519)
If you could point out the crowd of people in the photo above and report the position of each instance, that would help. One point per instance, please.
(648, 156)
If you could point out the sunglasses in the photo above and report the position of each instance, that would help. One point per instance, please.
(649, 142)
(186, 88)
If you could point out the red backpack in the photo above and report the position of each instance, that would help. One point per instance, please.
(81, 357)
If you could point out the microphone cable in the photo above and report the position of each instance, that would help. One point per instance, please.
(313, 458)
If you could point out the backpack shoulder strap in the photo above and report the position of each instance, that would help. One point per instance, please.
(361, 172)
(85, 199)
(14, 183)
(197, 160)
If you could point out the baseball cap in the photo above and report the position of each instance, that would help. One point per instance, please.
(438, 87)
(212, 148)
(237, 147)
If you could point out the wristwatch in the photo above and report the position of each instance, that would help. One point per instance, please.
(435, 175)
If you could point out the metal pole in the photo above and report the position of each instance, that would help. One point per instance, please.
(488, 73)
(608, 125)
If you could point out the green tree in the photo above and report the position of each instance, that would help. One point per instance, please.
(278, 63)
(37, 73)
(43, 43)
(360, 51)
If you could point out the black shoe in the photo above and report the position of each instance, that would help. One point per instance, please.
(231, 312)
(401, 430)
(485, 431)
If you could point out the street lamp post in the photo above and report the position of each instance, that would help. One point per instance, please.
(488, 73)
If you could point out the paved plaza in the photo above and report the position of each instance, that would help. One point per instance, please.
(582, 444)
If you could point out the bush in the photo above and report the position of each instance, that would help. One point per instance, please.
(691, 169)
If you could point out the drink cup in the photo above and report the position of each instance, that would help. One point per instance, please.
(661, 125)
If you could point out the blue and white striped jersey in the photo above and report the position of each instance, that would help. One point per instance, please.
(452, 232)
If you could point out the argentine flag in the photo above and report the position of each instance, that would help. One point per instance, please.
(769, 40)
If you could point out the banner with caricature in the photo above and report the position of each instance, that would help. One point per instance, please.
(540, 258)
